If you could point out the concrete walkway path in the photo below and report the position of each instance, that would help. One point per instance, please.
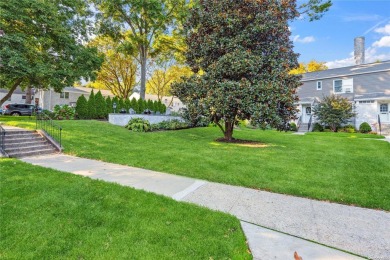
(361, 231)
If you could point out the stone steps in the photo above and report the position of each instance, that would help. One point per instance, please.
(303, 128)
(21, 143)
(385, 129)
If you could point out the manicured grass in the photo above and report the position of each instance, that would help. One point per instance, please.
(339, 167)
(47, 214)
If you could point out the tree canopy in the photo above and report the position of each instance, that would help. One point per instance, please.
(311, 66)
(244, 50)
(334, 111)
(160, 81)
(119, 70)
(42, 44)
(149, 23)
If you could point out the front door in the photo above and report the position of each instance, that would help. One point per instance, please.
(384, 112)
(306, 113)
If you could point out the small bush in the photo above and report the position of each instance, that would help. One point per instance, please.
(173, 124)
(293, 127)
(365, 128)
(63, 112)
(349, 129)
(48, 113)
(138, 125)
(317, 127)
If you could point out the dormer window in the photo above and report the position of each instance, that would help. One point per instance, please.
(341, 86)
(319, 85)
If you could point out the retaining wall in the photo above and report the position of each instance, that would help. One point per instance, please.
(123, 119)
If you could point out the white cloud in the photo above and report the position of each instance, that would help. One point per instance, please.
(383, 42)
(372, 53)
(307, 39)
(384, 30)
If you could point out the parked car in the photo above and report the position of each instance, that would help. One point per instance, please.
(20, 109)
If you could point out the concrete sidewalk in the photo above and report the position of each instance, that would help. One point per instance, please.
(361, 231)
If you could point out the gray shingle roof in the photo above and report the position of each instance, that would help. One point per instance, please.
(17, 91)
(347, 71)
(375, 95)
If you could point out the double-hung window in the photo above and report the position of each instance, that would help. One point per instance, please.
(341, 86)
(319, 85)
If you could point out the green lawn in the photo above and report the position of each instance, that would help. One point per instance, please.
(47, 214)
(340, 167)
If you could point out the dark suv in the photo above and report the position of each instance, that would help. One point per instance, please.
(19, 109)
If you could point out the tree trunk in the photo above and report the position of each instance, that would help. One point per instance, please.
(228, 134)
(28, 95)
(9, 94)
(143, 77)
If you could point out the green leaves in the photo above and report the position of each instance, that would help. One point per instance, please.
(149, 22)
(244, 50)
(334, 111)
(42, 43)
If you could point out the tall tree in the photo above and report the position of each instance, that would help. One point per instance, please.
(311, 66)
(149, 21)
(160, 81)
(244, 50)
(41, 44)
(118, 72)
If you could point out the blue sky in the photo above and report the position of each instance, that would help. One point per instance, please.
(331, 39)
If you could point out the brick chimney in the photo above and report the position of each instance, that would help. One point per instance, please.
(359, 50)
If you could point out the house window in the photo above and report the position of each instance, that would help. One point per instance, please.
(23, 96)
(319, 85)
(64, 95)
(366, 101)
(384, 108)
(343, 86)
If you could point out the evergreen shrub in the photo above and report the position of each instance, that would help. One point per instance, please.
(317, 127)
(365, 128)
(82, 108)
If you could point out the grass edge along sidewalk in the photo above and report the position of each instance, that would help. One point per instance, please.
(48, 213)
(345, 168)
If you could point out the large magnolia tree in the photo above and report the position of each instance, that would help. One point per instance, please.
(244, 51)
(41, 44)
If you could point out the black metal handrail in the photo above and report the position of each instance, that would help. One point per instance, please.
(380, 124)
(2, 138)
(309, 124)
(45, 123)
(299, 122)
